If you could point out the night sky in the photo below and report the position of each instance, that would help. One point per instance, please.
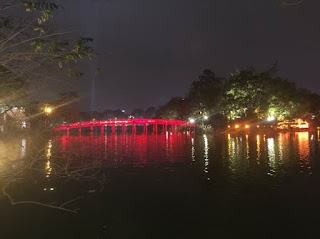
(152, 50)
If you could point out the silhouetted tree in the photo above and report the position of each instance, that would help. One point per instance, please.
(138, 113)
(204, 95)
(176, 108)
(150, 112)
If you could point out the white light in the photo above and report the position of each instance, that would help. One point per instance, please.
(24, 124)
(192, 121)
(123, 111)
(205, 117)
(271, 118)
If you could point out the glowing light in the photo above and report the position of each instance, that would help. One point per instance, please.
(192, 121)
(303, 146)
(237, 126)
(247, 146)
(193, 150)
(280, 146)
(258, 148)
(247, 126)
(302, 124)
(296, 124)
(206, 153)
(258, 126)
(205, 117)
(48, 110)
(271, 118)
(100, 123)
(23, 124)
(229, 126)
(229, 145)
(271, 154)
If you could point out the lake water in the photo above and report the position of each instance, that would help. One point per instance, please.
(183, 185)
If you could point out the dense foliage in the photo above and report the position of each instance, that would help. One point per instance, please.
(246, 94)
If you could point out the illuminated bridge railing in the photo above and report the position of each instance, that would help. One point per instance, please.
(124, 123)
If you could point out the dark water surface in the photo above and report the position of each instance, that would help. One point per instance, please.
(179, 186)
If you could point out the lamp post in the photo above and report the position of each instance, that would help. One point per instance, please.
(47, 110)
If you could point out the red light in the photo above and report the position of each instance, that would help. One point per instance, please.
(120, 122)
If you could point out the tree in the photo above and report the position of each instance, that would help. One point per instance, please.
(244, 94)
(257, 95)
(204, 94)
(32, 52)
(150, 112)
(176, 108)
(310, 104)
(138, 113)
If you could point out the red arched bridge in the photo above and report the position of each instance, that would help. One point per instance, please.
(124, 123)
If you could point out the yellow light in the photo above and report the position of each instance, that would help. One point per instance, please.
(302, 124)
(247, 126)
(237, 126)
(230, 126)
(48, 110)
(258, 126)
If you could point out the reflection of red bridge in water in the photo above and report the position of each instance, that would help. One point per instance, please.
(163, 123)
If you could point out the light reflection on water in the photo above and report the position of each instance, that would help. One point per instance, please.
(234, 180)
(206, 155)
(233, 156)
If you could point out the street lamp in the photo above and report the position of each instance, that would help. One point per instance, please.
(48, 110)
(205, 117)
(192, 121)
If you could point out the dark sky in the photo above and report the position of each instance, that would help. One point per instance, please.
(152, 50)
